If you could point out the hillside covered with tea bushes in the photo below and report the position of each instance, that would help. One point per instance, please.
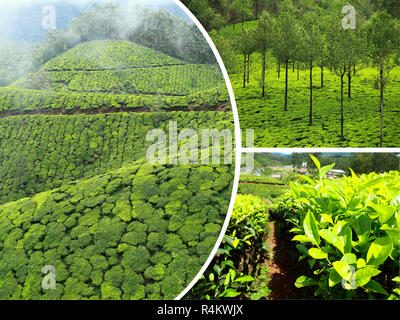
(110, 75)
(78, 194)
(39, 153)
(139, 232)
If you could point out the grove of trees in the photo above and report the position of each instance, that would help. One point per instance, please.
(333, 35)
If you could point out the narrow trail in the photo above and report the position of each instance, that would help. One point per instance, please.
(284, 267)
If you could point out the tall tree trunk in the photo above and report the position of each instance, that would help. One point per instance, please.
(293, 66)
(244, 71)
(349, 83)
(286, 84)
(256, 9)
(248, 68)
(279, 70)
(354, 69)
(322, 76)
(311, 94)
(382, 88)
(298, 71)
(263, 72)
(341, 107)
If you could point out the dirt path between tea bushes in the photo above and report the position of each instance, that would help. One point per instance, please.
(284, 267)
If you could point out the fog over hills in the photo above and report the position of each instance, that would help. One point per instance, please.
(21, 20)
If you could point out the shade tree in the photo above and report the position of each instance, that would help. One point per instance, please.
(382, 35)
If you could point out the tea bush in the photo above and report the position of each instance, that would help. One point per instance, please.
(112, 236)
(348, 230)
(26, 101)
(178, 80)
(236, 270)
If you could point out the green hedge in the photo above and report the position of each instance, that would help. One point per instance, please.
(141, 232)
(171, 80)
(20, 101)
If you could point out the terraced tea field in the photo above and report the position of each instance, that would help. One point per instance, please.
(77, 192)
(276, 128)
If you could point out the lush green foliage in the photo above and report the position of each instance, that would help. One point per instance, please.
(114, 75)
(67, 148)
(231, 273)
(348, 230)
(140, 232)
(263, 191)
(308, 108)
(260, 179)
(172, 80)
(276, 128)
(20, 101)
(109, 55)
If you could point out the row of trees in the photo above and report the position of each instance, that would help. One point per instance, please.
(215, 14)
(319, 39)
(309, 34)
(325, 39)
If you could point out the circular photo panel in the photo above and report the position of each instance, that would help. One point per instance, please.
(117, 158)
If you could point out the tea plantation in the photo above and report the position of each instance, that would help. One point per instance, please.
(39, 153)
(139, 232)
(76, 192)
(273, 127)
(114, 75)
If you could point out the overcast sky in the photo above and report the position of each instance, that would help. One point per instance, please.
(21, 19)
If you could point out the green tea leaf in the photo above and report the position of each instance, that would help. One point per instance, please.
(326, 218)
(375, 287)
(363, 275)
(230, 293)
(244, 279)
(316, 161)
(361, 263)
(332, 239)
(349, 258)
(393, 233)
(301, 238)
(317, 253)
(384, 212)
(334, 277)
(379, 251)
(311, 228)
(362, 227)
(344, 269)
(370, 184)
(304, 281)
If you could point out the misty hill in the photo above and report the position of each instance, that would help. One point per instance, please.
(109, 54)
(24, 21)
